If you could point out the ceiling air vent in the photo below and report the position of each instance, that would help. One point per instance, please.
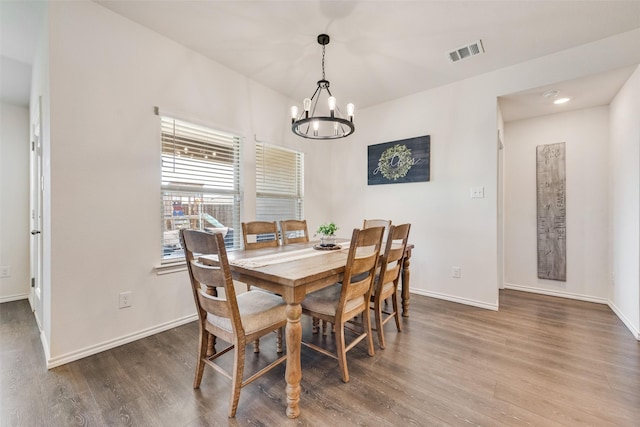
(467, 51)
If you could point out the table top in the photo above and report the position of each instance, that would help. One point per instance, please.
(294, 273)
(308, 269)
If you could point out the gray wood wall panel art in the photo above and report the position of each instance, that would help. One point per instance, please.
(551, 211)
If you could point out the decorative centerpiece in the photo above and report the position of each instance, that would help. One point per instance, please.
(327, 235)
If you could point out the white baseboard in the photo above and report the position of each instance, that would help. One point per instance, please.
(555, 293)
(107, 345)
(16, 297)
(452, 298)
(627, 322)
(45, 347)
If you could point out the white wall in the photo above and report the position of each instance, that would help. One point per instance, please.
(40, 90)
(448, 227)
(625, 203)
(14, 201)
(102, 194)
(586, 137)
(107, 74)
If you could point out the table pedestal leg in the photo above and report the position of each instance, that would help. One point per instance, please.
(405, 285)
(293, 373)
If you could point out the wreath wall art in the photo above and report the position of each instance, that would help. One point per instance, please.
(406, 160)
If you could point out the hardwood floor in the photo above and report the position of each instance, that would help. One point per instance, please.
(539, 361)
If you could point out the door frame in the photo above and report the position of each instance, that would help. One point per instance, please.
(36, 293)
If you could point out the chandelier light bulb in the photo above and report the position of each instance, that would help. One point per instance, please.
(294, 112)
(350, 110)
(307, 104)
(332, 103)
(335, 129)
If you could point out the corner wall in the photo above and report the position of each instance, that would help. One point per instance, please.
(107, 73)
(14, 202)
(624, 292)
(448, 227)
(586, 137)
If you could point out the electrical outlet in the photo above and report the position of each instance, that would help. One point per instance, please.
(456, 272)
(125, 299)
(477, 192)
(5, 271)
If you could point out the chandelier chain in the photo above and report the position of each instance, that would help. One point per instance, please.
(323, 62)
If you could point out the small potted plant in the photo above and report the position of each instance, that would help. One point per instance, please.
(327, 234)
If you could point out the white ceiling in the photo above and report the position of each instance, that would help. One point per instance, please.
(379, 50)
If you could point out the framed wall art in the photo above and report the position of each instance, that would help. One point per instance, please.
(396, 162)
(551, 211)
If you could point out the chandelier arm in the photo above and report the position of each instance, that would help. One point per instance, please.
(314, 106)
(315, 93)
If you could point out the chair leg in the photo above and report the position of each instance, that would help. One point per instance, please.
(211, 345)
(279, 340)
(202, 353)
(341, 353)
(377, 308)
(238, 369)
(324, 327)
(396, 312)
(314, 325)
(256, 346)
(367, 328)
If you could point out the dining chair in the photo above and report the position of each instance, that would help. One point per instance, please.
(386, 223)
(386, 281)
(236, 319)
(266, 236)
(265, 232)
(294, 231)
(341, 302)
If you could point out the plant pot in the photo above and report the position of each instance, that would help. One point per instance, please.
(328, 240)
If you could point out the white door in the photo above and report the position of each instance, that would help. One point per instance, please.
(37, 187)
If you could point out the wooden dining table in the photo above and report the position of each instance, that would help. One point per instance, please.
(293, 271)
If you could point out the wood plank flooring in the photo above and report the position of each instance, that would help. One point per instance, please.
(539, 361)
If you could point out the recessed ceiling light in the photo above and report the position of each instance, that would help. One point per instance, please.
(550, 93)
(561, 100)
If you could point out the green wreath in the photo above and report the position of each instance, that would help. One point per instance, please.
(395, 162)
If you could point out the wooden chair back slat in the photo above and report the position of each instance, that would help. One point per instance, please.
(294, 231)
(268, 232)
(212, 276)
(386, 223)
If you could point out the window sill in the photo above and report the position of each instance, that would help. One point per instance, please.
(171, 267)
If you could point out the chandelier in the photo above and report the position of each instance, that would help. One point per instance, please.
(319, 120)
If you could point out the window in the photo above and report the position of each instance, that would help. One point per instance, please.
(200, 183)
(279, 183)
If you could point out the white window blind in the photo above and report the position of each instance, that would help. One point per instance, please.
(279, 183)
(200, 183)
